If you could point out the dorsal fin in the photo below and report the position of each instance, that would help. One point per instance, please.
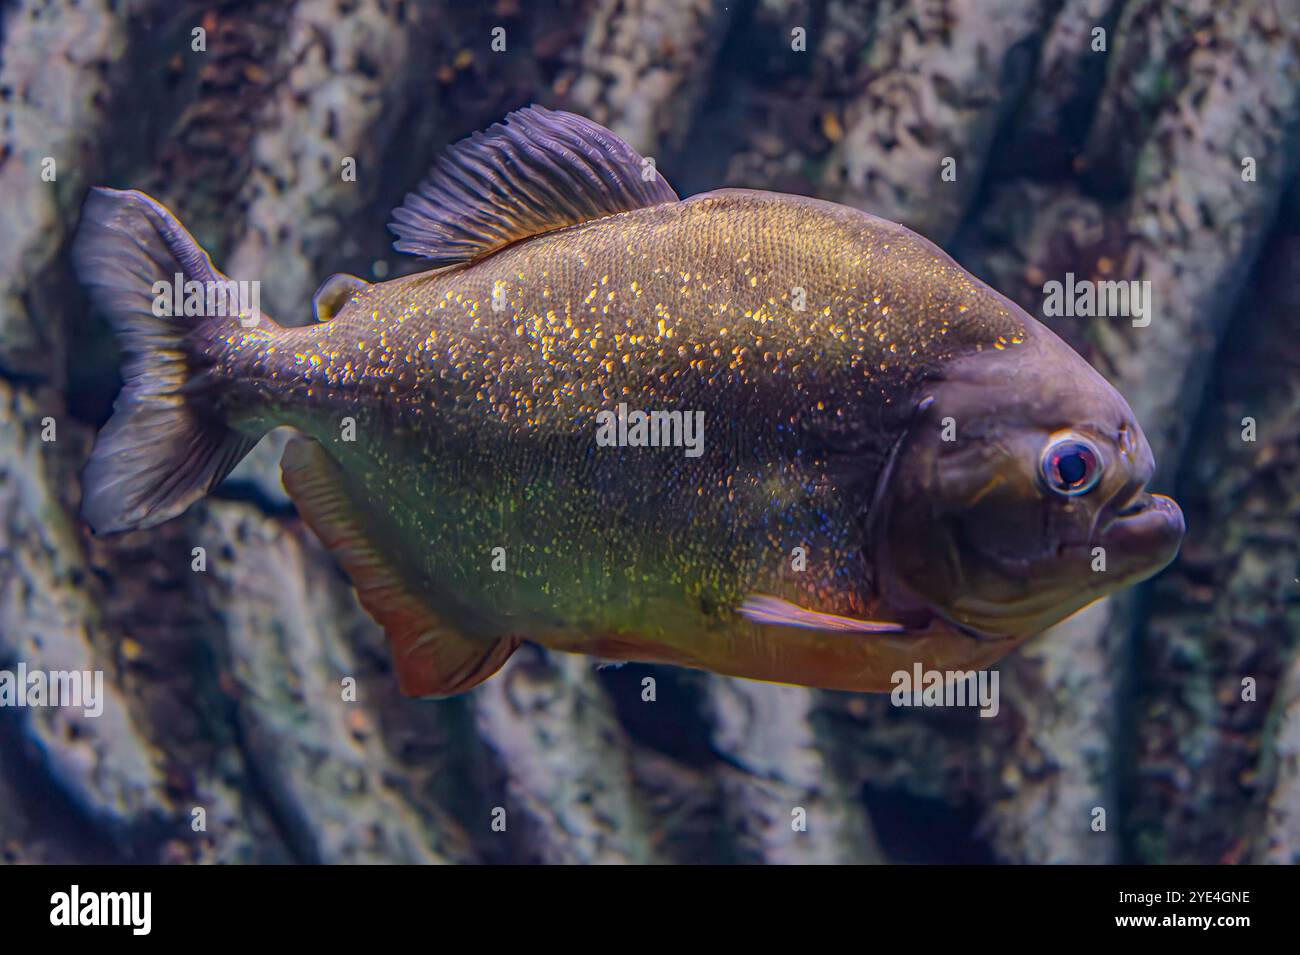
(538, 171)
(335, 292)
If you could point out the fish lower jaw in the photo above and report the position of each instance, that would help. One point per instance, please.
(993, 622)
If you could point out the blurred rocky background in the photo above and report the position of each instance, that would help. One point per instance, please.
(1169, 156)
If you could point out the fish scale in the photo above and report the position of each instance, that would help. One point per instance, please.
(687, 301)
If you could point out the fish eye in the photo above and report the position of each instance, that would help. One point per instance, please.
(1070, 466)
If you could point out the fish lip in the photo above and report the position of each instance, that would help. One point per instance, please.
(1138, 503)
(1145, 503)
(1153, 518)
(1166, 506)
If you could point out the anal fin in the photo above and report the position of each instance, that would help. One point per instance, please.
(431, 657)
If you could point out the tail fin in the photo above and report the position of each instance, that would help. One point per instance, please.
(165, 447)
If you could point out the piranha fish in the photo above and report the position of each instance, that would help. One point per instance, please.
(758, 434)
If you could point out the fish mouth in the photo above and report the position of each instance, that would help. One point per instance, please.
(1147, 530)
(1140, 502)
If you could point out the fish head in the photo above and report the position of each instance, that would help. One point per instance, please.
(1018, 494)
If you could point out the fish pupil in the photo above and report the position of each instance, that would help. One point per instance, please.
(1073, 468)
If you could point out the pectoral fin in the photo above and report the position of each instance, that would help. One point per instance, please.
(431, 658)
(761, 608)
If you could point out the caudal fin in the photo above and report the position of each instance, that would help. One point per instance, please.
(165, 446)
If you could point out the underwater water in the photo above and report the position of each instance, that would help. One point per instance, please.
(1124, 171)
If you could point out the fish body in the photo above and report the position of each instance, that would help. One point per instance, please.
(710, 432)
